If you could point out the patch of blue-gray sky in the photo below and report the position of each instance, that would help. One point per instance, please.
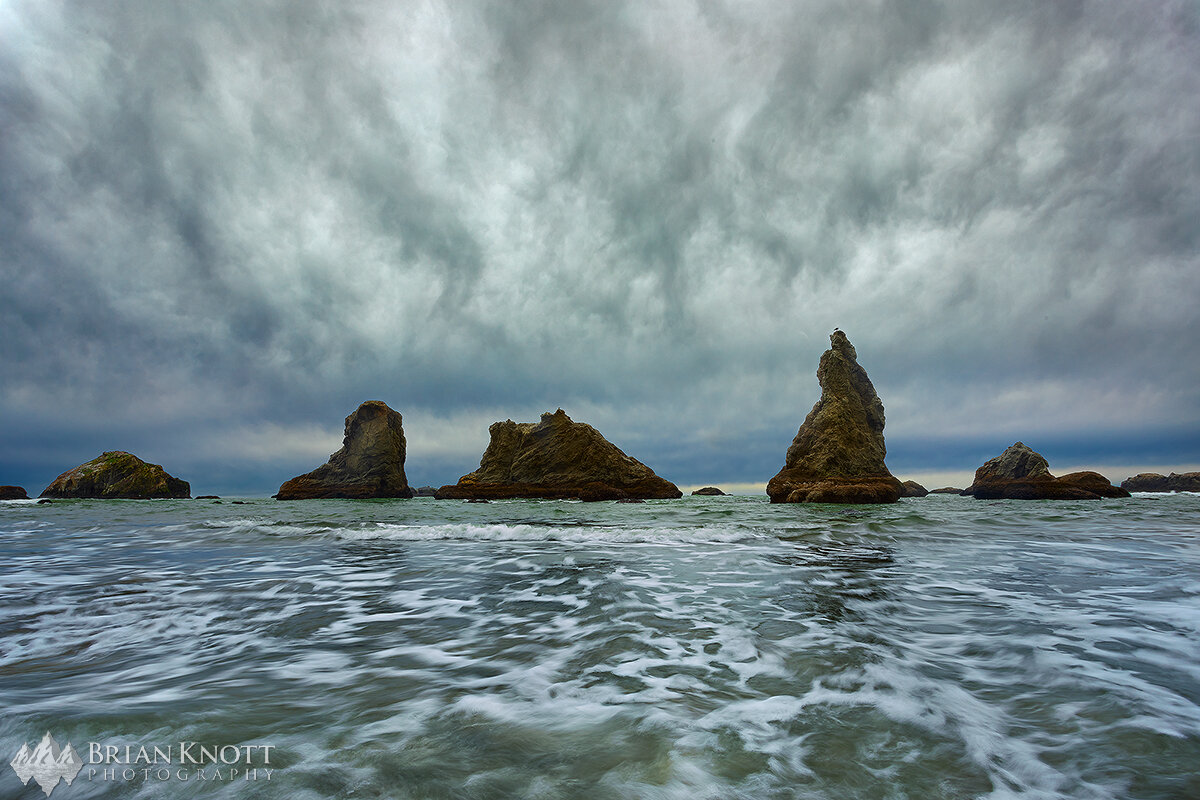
(224, 224)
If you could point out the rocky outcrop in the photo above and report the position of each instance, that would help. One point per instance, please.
(426, 491)
(946, 490)
(1154, 482)
(557, 458)
(912, 489)
(370, 463)
(838, 453)
(118, 475)
(709, 491)
(1020, 473)
(13, 493)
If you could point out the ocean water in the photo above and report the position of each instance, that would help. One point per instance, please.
(718, 648)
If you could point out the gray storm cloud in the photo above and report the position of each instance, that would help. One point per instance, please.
(228, 217)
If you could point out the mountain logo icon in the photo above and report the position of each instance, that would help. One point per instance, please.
(47, 763)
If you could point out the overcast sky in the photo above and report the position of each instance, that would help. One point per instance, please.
(225, 224)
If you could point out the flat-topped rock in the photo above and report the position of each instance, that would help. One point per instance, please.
(118, 475)
(557, 458)
(1020, 473)
(709, 491)
(370, 463)
(838, 453)
(1154, 482)
(13, 493)
(946, 490)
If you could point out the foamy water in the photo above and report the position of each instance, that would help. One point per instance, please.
(702, 648)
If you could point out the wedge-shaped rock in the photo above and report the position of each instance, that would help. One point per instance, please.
(556, 458)
(370, 463)
(118, 475)
(1021, 473)
(837, 456)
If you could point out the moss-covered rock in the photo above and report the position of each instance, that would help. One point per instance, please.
(117, 474)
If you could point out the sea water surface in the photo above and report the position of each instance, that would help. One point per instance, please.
(718, 648)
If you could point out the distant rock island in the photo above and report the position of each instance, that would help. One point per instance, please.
(709, 491)
(426, 491)
(13, 493)
(556, 458)
(1020, 473)
(838, 453)
(118, 475)
(946, 490)
(913, 489)
(370, 463)
(1154, 482)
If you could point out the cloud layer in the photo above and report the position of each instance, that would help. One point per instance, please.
(225, 224)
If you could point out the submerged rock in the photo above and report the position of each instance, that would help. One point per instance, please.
(557, 458)
(1154, 482)
(912, 489)
(838, 453)
(370, 463)
(709, 491)
(1020, 473)
(13, 493)
(118, 475)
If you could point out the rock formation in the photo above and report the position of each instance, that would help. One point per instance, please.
(117, 474)
(13, 493)
(946, 490)
(709, 491)
(556, 458)
(370, 463)
(426, 491)
(912, 489)
(1154, 482)
(837, 456)
(1019, 473)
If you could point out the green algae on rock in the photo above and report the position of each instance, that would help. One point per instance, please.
(118, 475)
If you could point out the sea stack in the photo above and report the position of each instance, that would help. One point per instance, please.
(1155, 482)
(118, 475)
(837, 456)
(13, 493)
(1020, 473)
(370, 463)
(912, 489)
(556, 458)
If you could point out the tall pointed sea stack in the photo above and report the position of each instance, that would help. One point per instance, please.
(370, 463)
(837, 456)
(556, 458)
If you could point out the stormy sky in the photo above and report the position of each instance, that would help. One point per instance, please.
(225, 224)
